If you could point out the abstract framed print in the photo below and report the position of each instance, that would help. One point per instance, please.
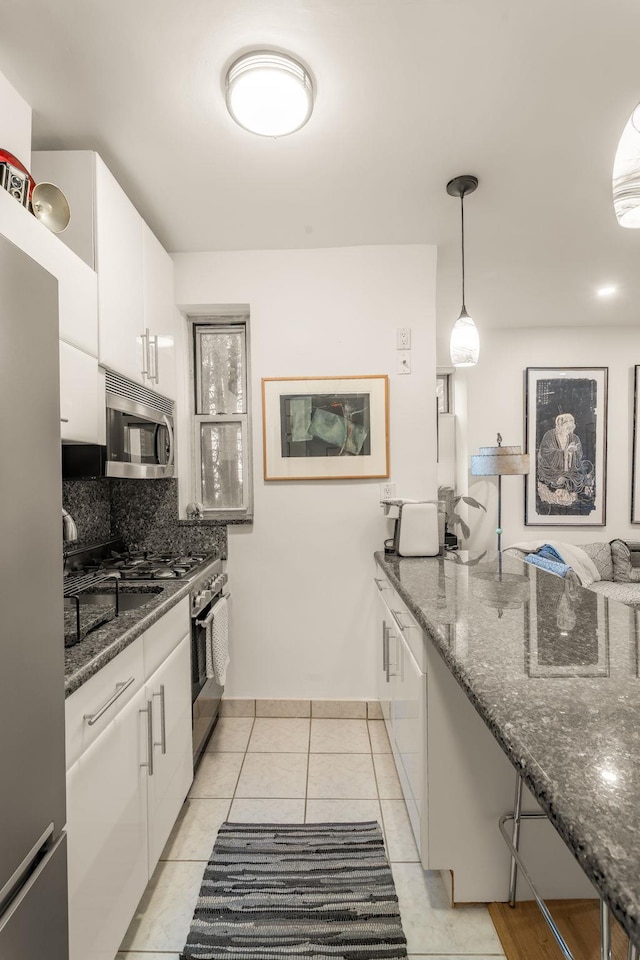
(566, 438)
(325, 428)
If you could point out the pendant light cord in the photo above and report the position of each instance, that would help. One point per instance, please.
(462, 234)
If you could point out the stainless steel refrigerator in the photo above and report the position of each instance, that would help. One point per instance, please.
(33, 872)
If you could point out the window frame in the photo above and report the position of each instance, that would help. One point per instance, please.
(220, 323)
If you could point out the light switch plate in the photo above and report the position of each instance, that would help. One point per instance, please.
(404, 362)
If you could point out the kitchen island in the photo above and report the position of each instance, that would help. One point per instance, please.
(552, 670)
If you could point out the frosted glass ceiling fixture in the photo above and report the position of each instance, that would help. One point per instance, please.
(465, 342)
(626, 174)
(269, 93)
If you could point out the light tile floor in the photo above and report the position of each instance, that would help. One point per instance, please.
(299, 770)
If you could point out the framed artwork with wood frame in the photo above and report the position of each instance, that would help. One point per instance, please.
(325, 428)
(566, 439)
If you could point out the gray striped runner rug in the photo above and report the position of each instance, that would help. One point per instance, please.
(320, 890)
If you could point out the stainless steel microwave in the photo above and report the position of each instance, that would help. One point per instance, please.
(140, 436)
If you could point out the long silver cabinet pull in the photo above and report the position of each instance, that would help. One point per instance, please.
(396, 615)
(149, 712)
(145, 353)
(156, 359)
(378, 581)
(162, 743)
(92, 718)
(385, 646)
(389, 674)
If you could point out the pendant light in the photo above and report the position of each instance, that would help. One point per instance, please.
(465, 342)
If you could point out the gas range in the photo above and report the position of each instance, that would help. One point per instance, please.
(105, 560)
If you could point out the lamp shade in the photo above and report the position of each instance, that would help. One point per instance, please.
(464, 346)
(269, 93)
(500, 462)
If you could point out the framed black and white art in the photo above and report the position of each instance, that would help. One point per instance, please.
(566, 438)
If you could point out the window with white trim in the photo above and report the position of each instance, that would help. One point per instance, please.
(222, 443)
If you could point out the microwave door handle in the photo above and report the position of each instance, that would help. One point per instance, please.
(170, 432)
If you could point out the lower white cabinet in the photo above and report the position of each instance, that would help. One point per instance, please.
(168, 693)
(107, 835)
(455, 779)
(129, 733)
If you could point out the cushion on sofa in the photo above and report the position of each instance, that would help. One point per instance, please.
(623, 571)
(600, 553)
(622, 592)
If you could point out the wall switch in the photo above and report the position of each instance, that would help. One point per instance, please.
(404, 362)
(403, 338)
(387, 490)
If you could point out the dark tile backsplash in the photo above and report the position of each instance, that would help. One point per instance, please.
(89, 503)
(143, 512)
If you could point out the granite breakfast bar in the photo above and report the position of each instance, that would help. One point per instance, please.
(552, 670)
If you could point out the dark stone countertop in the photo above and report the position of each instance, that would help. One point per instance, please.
(86, 658)
(553, 670)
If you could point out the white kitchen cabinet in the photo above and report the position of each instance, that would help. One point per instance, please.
(118, 246)
(159, 313)
(129, 771)
(169, 691)
(456, 781)
(82, 407)
(77, 282)
(107, 835)
(135, 274)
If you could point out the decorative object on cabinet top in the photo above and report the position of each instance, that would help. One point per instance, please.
(45, 201)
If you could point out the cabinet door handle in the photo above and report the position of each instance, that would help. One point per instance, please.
(389, 674)
(149, 712)
(162, 743)
(64, 419)
(378, 581)
(92, 718)
(155, 376)
(396, 614)
(145, 353)
(385, 647)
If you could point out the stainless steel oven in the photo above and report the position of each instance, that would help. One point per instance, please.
(206, 693)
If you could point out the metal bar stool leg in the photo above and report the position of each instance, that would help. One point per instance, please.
(515, 839)
(605, 931)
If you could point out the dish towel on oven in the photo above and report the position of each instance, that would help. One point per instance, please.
(217, 641)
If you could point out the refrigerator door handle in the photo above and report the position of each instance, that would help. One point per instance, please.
(17, 874)
(31, 882)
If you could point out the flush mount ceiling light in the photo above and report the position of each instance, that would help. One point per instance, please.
(465, 342)
(626, 174)
(269, 93)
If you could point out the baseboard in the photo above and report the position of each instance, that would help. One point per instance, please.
(319, 709)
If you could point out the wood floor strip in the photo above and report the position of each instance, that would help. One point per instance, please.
(525, 935)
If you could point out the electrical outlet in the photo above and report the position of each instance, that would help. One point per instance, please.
(387, 490)
(403, 338)
(404, 362)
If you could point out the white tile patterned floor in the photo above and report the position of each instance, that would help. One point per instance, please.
(294, 770)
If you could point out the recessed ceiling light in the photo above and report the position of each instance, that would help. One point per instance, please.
(269, 93)
(607, 291)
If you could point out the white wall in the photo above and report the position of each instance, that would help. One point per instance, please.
(301, 574)
(495, 403)
(15, 123)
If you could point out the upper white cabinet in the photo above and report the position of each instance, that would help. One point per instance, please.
(135, 274)
(77, 283)
(159, 312)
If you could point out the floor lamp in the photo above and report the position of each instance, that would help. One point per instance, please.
(500, 462)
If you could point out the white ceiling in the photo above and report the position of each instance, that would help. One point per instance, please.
(529, 95)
